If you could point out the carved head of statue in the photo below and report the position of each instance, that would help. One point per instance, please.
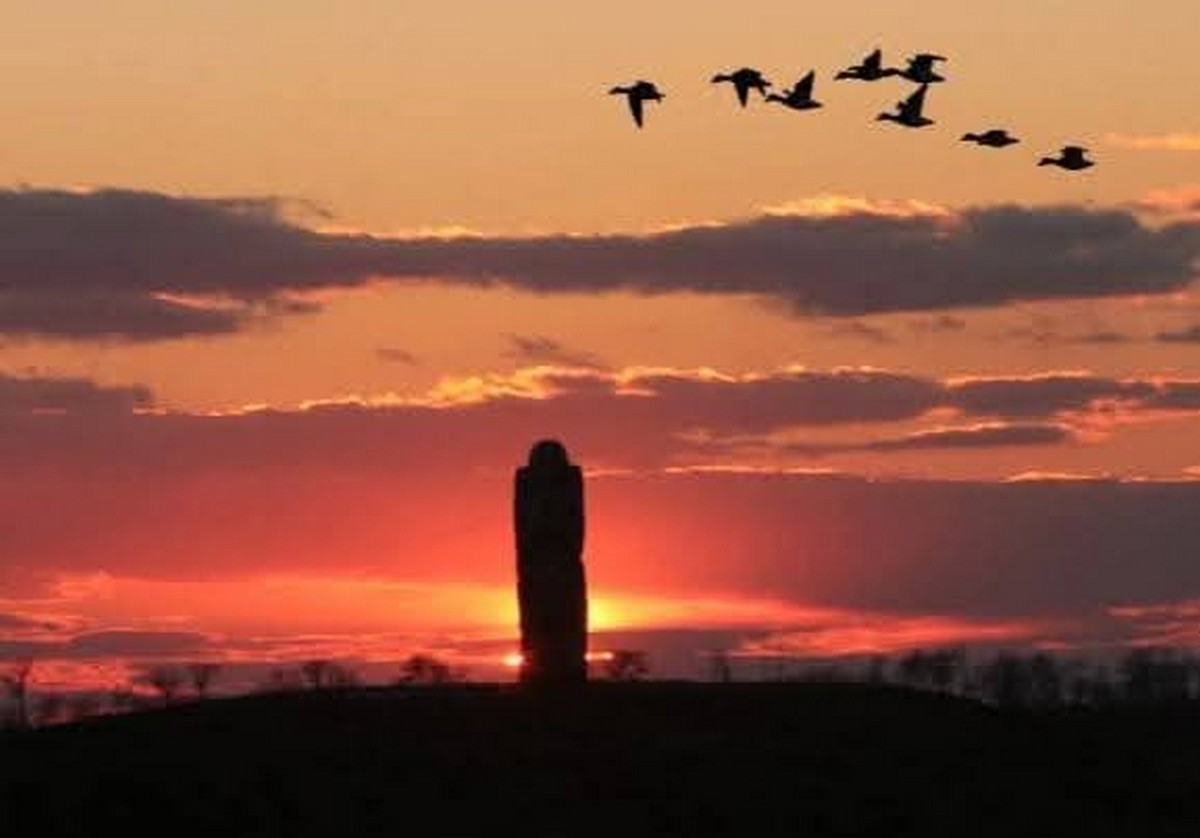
(548, 454)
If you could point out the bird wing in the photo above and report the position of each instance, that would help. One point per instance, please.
(743, 90)
(635, 108)
(915, 103)
(874, 61)
(803, 88)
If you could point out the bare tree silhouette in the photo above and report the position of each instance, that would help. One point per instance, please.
(315, 672)
(15, 681)
(914, 669)
(202, 675)
(719, 667)
(626, 665)
(82, 706)
(283, 679)
(1045, 680)
(944, 668)
(341, 675)
(1155, 674)
(166, 680)
(321, 673)
(122, 699)
(424, 669)
(50, 709)
(876, 670)
(1005, 680)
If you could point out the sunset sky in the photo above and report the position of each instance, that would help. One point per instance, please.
(288, 290)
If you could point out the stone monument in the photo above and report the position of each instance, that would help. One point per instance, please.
(551, 591)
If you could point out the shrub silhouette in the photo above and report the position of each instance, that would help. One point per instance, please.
(166, 680)
(626, 665)
(425, 669)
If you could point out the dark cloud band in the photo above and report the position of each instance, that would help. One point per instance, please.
(125, 245)
(31, 395)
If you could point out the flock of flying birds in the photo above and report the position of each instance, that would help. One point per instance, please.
(909, 112)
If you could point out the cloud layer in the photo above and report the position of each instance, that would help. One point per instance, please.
(420, 485)
(115, 504)
(31, 395)
(148, 257)
(634, 418)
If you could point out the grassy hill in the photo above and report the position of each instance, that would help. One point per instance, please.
(638, 758)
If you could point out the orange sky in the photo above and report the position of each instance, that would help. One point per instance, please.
(247, 423)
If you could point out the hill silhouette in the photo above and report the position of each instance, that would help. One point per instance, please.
(612, 758)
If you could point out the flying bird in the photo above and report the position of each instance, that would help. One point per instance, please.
(799, 97)
(637, 93)
(992, 138)
(871, 69)
(1070, 157)
(909, 111)
(920, 69)
(743, 80)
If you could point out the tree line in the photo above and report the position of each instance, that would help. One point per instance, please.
(164, 684)
(1036, 679)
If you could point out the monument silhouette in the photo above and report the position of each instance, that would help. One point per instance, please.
(549, 524)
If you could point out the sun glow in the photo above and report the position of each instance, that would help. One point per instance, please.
(606, 614)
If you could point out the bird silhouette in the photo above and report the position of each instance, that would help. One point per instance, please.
(799, 97)
(1070, 157)
(871, 69)
(920, 69)
(743, 80)
(992, 138)
(909, 111)
(637, 93)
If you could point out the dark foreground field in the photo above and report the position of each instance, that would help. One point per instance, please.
(661, 759)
